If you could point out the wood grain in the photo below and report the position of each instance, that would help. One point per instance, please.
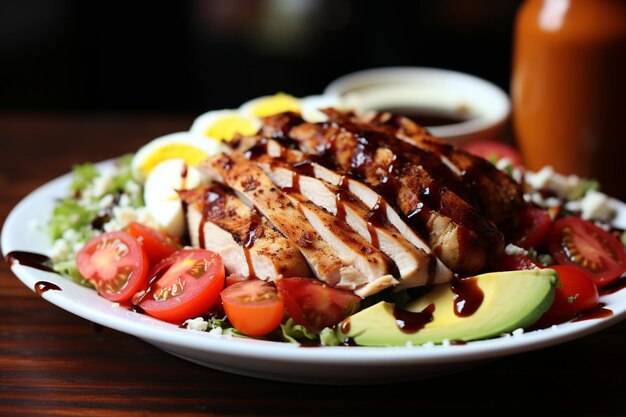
(55, 364)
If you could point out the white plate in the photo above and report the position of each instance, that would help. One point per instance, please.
(270, 360)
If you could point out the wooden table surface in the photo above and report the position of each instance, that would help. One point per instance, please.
(54, 363)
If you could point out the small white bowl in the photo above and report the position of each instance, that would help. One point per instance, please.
(439, 91)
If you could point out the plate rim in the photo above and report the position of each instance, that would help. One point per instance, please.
(158, 332)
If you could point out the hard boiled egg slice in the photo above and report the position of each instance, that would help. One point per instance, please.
(191, 148)
(310, 107)
(161, 197)
(270, 105)
(225, 125)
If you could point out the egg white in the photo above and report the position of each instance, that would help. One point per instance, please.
(206, 146)
(161, 197)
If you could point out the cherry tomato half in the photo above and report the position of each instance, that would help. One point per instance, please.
(183, 286)
(574, 241)
(253, 307)
(315, 305)
(115, 263)
(492, 150)
(576, 293)
(533, 228)
(158, 245)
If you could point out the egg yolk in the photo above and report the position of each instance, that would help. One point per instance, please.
(190, 154)
(228, 126)
(275, 104)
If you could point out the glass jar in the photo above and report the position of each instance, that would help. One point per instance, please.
(569, 88)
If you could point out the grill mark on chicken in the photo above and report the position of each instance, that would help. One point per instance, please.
(397, 171)
(373, 264)
(282, 213)
(247, 242)
(414, 265)
(378, 209)
(497, 194)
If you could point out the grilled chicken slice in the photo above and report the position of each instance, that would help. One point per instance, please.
(247, 242)
(264, 148)
(498, 195)
(251, 183)
(375, 267)
(454, 229)
(414, 265)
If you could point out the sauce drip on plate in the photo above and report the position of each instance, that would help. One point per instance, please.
(31, 259)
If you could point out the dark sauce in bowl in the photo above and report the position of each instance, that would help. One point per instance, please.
(429, 117)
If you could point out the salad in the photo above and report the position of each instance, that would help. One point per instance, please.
(124, 232)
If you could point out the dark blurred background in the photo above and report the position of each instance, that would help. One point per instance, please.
(192, 56)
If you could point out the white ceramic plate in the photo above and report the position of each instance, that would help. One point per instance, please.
(24, 229)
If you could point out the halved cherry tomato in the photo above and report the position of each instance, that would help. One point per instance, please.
(115, 263)
(184, 285)
(516, 262)
(314, 304)
(253, 307)
(574, 241)
(533, 228)
(492, 150)
(158, 245)
(576, 293)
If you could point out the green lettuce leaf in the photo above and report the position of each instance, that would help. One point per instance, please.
(83, 175)
(295, 333)
(69, 214)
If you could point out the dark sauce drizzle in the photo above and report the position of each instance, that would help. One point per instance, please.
(467, 296)
(30, 259)
(43, 286)
(598, 312)
(215, 200)
(183, 176)
(250, 238)
(411, 322)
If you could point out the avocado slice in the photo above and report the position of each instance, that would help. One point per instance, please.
(511, 300)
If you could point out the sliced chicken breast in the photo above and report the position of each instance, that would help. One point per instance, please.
(248, 244)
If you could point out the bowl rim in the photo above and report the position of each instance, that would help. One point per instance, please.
(498, 113)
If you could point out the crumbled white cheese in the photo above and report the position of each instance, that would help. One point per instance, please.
(106, 201)
(551, 202)
(61, 249)
(409, 344)
(65, 247)
(504, 163)
(546, 178)
(517, 332)
(518, 175)
(132, 188)
(512, 249)
(198, 324)
(539, 179)
(445, 342)
(124, 201)
(217, 332)
(122, 216)
(115, 305)
(596, 206)
(100, 185)
(428, 345)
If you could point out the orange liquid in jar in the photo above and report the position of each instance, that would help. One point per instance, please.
(569, 88)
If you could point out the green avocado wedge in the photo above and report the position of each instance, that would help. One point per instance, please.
(511, 300)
